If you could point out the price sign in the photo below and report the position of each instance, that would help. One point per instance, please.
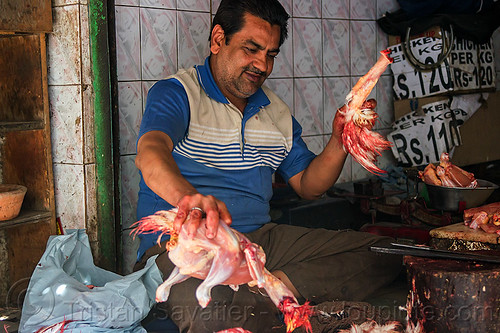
(420, 137)
(473, 65)
(468, 67)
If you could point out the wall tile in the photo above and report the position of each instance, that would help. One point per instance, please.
(130, 245)
(283, 88)
(384, 6)
(146, 85)
(363, 9)
(346, 174)
(335, 91)
(385, 104)
(283, 64)
(164, 4)
(158, 43)
(358, 172)
(92, 223)
(363, 46)
(307, 47)
(335, 9)
(130, 115)
(57, 3)
(314, 143)
(336, 59)
(63, 49)
(126, 2)
(310, 8)
(288, 5)
(192, 31)
(70, 195)
(387, 158)
(130, 188)
(308, 104)
(66, 124)
(128, 43)
(85, 45)
(88, 124)
(382, 40)
(215, 5)
(195, 5)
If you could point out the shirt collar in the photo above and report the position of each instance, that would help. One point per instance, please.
(206, 79)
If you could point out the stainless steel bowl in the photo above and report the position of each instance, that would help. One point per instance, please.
(449, 198)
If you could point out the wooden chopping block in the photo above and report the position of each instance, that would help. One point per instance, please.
(460, 237)
(453, 296)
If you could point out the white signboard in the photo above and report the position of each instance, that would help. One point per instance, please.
(469, 67)
(420, 137)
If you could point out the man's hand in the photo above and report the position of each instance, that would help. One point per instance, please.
(194, 207)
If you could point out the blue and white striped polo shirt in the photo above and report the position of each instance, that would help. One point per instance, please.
(219, 150)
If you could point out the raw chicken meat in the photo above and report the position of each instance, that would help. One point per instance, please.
(235, 330)
(486, 217)
(230, 259)
(447, 174)
(357, 137)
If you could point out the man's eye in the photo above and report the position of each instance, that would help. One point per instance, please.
(250, 50)
(272, 55)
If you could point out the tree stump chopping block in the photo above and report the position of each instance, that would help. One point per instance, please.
(453, 296)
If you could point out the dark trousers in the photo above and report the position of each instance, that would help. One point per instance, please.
(324, 265)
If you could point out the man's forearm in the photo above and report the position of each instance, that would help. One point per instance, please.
(160, 172)
(323, 171)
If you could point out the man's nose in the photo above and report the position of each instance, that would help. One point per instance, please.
(261, 62)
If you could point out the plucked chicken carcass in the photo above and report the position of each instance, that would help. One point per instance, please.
(447, 174)
(486, 217)
(357, 137)
(230, 259)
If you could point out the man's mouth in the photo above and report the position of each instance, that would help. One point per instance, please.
(253, 76)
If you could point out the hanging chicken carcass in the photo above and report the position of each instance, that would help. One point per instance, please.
(363, 144)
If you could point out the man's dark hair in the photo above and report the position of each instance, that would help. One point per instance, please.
(230, 15)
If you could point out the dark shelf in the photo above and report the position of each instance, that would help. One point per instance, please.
(10, 126)
(26, 217)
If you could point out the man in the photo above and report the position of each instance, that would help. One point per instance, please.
(210, 140)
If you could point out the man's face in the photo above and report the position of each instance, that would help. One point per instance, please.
(241, 66)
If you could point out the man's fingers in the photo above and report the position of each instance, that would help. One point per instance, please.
(212, 223)
(192, 225)
(180, 218)
(192, 209)
(224, 214)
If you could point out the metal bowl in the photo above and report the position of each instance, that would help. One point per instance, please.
(449, 198)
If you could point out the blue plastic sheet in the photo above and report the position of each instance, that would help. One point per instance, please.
(61, 289)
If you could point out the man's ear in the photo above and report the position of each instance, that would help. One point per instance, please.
(216, 39)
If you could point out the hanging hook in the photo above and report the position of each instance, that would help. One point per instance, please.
(447, 45)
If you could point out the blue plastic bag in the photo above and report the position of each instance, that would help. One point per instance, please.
(66, 285)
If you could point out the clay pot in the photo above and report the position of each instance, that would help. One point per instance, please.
(11, 199)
